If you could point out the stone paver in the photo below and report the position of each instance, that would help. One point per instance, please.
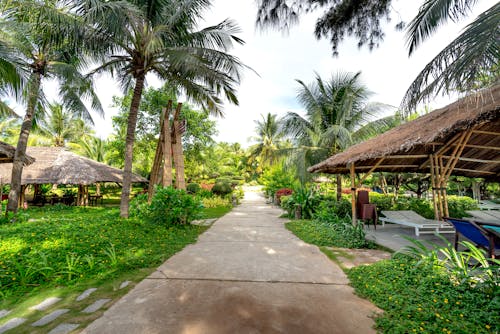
(247, 274)
(203, 222)
(64, 328)
(85, 294)
(3, 313)
(50, 317)
(124, 284)
(45, 304)
(96, 305)
(12, 323)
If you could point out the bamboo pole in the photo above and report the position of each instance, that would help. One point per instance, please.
(370, 172)
(153, 177)
(180, 181)
(167, 148)
(353, 194)
(433, 185)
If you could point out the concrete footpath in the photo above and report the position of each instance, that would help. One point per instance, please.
(246, 274)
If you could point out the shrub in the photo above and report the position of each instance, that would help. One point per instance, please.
(283, 192)
(222, 188)
(457, 205)
(276, 178)
(337, 232)
(168, 206)
(193, 188)
(330, 208)
(215, 202)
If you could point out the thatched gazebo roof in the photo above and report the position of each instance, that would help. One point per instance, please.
(56, 165)
(465, 135)
(7, 154)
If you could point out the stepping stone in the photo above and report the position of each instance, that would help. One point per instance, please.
(12, 323)
(85, 294)
(45, 304)
(3, 313)
(97, 305)
(124, 284)
(63, 328)
(50, 317)
(204, 222)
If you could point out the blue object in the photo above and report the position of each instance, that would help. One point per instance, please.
(476, 233)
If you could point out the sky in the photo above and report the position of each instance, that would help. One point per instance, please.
(279, 59)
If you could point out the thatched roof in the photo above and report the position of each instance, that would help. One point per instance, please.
(407, 148)
(7, 154)
(56, 165)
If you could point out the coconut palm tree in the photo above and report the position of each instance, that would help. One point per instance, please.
(269, 139)
(463, 62)
(337, 114)
(44, 39)
(60, 126)
(160, 37)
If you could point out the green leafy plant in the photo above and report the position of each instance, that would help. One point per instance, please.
(110, 252)
(173, 206)
(222, 188)
(71, 267)
(193, 188)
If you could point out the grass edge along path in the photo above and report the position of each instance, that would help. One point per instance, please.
(414, 299)
(95, 234)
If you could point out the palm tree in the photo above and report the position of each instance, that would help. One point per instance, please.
(160, 37)
(268, 139)
(463, 62)
(46, 50)
(337, 114)
(60, 126)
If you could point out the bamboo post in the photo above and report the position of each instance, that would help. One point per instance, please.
(167, 148)
(353, 194)
(434, 186)
(180, 181)
(22, 196)
(1, 195)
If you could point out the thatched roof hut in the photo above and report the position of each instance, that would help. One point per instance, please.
(464, 136)
(56, 165)
(7, 154)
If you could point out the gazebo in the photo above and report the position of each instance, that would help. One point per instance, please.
(57, 165)
(7, 154)
(462, 138)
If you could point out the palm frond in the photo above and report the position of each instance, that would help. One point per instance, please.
(458, 65)
(431, 15)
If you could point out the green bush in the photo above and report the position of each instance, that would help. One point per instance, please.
(421, 299)
(193, 188)
(216, 201)
(336, 232)
(457, 205)
(276, 178)
(330, 207)
(222, 188)
(169, 206)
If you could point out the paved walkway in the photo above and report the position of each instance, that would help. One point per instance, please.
(246, 274)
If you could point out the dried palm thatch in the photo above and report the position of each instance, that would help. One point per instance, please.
(56, 165)
(7, 154)
(467, 131)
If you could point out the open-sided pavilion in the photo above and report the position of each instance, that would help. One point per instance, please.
(57, 165)
(462, 138)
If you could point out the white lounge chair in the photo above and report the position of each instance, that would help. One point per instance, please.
(488, 205)
(422, 225)
(484, 215)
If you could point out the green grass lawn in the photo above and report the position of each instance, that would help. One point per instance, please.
(66, 246)
(216, 212)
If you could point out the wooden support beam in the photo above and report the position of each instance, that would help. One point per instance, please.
(473, 160)
(486, 132)
(387, 166)
(353, 193)
(167, 148)
(459, 153)
(180, 180)
(370, 172)
(475, 171)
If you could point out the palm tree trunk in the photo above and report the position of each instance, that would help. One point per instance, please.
(22, 143)
(129, 145)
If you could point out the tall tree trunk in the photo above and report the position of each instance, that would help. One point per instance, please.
(129, 145)
(22, 143)
(167, 148)
(180, 180)
(339, 187)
